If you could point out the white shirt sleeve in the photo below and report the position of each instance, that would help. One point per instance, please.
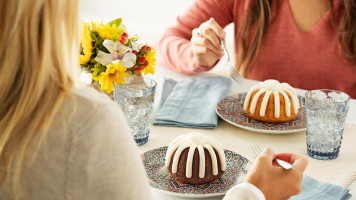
(244, 191)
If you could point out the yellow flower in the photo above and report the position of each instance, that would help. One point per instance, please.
(95, 26)
(150, 57)
(113, 73)
(148, 70)
(86, 45)
(111, 32)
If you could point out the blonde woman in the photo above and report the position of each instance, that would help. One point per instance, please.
(308, 43)
(57, 141)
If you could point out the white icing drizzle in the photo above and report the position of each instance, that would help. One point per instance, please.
(170, 153)
(248, 96)
(276, 105)
(189, 165)
(255, 98)
(294, 96)
(264, 103)
(201, 160)
(272, 87)
(214, 160)
(216, 145)
(176, 157)
(195, 141)
(287, 102)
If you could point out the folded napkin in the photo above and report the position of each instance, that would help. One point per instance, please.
(313, 189)
(191, 102)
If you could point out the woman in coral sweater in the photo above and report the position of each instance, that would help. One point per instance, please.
(310, 44)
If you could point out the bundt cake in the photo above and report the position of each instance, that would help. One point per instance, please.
(271, 101)
(195, 159)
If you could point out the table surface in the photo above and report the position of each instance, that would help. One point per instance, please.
(238, 140)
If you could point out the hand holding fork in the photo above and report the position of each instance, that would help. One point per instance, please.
(208, 47)
(275, 182)
(256, 151)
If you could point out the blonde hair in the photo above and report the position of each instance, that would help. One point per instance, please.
(259, 16)
(39, 40)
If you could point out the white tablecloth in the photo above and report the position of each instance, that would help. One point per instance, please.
(339, 171)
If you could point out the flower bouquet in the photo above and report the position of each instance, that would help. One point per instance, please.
(109, 54)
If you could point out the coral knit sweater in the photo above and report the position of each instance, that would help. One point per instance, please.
(306, 60)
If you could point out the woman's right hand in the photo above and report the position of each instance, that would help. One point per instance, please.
(206, 45)
(275, 182)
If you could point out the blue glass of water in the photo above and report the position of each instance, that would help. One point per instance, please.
(135, 95)
(326, 112)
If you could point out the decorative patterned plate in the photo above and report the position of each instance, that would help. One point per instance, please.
(230, 109)
(161, 180)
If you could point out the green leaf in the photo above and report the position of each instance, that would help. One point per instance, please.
(97, 69)
(117, 22)
(98, 44)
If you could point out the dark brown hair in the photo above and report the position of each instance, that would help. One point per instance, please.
(259, 16)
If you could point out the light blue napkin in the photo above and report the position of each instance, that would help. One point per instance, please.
(191, 102)
(313, 189)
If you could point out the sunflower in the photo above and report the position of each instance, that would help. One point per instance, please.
(111, 32)
(114, 72)
(150, 57)
(95, 26)
(87, 46)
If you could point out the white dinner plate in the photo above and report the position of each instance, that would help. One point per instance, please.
(230, 109)
(161, 180)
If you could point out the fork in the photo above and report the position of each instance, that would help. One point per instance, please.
(230, 68)
(256, 151)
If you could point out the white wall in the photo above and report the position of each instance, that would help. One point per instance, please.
(146, 18)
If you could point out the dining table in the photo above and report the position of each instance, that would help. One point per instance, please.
(340, 171)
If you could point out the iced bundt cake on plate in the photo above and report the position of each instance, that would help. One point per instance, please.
(195, 159)
(271, 101)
